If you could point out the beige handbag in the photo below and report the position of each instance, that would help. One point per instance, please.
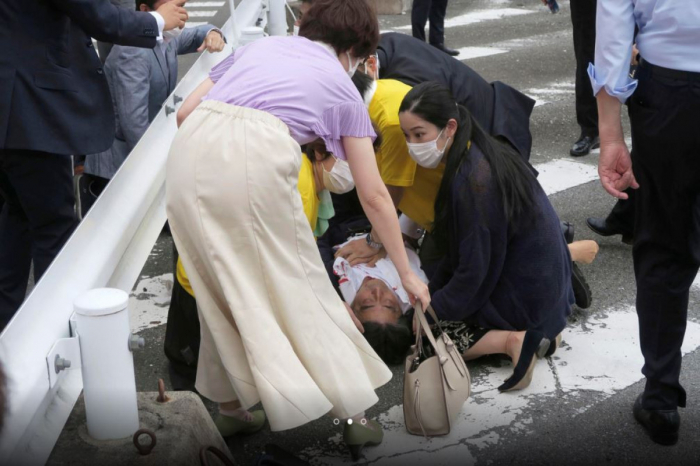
(435, 386)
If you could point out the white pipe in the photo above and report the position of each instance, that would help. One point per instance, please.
(108, 366)
(278, 18)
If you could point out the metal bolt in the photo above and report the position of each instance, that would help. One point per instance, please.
(136, 342)
(169, 110)
(177, 99)
(61, 364)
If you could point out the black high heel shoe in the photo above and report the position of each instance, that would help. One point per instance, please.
(535, 345)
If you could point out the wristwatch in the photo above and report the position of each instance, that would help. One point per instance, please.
(371, 243)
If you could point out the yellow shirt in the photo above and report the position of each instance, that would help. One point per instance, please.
(396, 166)
(307, 190)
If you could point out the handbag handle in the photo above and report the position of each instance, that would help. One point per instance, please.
(423, 324)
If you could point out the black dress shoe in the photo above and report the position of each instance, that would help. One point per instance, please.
(582, 292)
(584, 145)
(603, 228)
(448, 51)
(661, 425)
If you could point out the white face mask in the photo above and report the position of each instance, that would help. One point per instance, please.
(427, 154)
(296, 30)
(171, 34)
(352, 68)
(339, 179)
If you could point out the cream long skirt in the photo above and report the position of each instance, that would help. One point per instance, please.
(273, 328)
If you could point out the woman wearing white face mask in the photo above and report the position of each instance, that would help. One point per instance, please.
(507, 268)
(239, 225)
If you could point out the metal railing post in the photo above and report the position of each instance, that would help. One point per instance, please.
(277, 25)
(107, 363)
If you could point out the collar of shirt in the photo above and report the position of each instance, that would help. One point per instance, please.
(369, 95)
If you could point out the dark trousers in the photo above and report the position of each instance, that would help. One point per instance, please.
(583, 20)
(622, 214)
(37, 218)
(435, 10)
(666, 161)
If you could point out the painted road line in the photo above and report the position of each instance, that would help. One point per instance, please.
(194, 24)
(554, 92)
(478, 17)
(149, 302)
(600, 358)
(202, 13)
(189, 5)
(467, 53)
(562, 174)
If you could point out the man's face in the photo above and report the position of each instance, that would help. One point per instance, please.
(376, 302)
(303, 9)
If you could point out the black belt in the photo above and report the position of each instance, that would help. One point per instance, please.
(669, 73)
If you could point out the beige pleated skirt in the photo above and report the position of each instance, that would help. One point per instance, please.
(273, 328)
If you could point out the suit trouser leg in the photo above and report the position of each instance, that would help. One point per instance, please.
(622, 214)
(438, 10)
(37, 219)
(666, 163)
(583, 14)
(419, 17)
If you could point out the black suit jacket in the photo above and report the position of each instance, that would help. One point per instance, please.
(500, 110)
(53, 93)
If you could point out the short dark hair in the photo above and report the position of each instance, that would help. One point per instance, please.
(347, 25)
(390, 341)
(149, 3)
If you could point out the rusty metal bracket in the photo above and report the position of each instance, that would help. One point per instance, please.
(144, 449)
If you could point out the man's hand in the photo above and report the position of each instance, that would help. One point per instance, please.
(615, 169)
(359, 252)
(635, 54)
(213, 42)
(354, 318)
(614, 164)
(173, 14)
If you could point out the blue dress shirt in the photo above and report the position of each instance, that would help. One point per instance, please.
(669, 36)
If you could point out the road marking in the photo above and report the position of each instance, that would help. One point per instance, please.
(467, 53)
(194, 24)
(600, 358)
(561, 174)
(554, 92)
(477, 17)
(202, 13)
(189, 5)
(149, 302)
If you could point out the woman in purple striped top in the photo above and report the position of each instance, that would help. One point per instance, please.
(273, 328)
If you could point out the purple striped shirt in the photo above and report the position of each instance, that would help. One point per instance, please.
(298, 81)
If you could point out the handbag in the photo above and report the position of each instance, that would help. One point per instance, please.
(436, 381)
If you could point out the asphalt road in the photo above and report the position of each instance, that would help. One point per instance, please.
(578, 409)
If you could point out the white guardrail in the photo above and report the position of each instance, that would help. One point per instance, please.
(108, 249)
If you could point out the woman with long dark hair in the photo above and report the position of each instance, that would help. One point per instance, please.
(507, 268)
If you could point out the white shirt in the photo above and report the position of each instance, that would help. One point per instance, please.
(351, 278)
(669, 36)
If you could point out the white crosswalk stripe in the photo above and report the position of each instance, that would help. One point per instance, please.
(478, 17)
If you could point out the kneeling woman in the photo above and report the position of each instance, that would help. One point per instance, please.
(507, 269)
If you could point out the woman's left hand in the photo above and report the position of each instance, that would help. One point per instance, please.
(417, 290)
(359, 252)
